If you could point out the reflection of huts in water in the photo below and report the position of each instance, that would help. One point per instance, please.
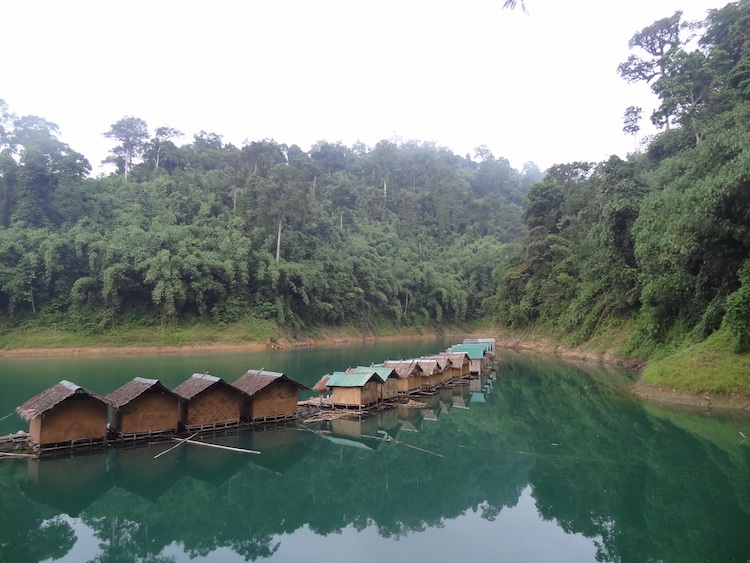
(69, 484)
(137, 470)
(268, 396)
(387, 419)
(355, 427)
(478, 397)
(351, 390)
(143, 406)
(477, 385)
(208, 402)
(212, 465)
(280, 446)
(388, 389)
(65, 414)
(409, 375)
(459, 402)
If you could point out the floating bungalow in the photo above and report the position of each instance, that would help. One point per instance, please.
(409, 375)
(269, 396)
(478, 361)
(389, 388)
(65, 415)
(209, 402)
(458, 366)
(352, 390)
(143, 407)
(488, 342)
(432, 373)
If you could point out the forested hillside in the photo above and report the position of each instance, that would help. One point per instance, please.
(662, 238)
(402, 234)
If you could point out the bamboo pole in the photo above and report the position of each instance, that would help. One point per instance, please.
(176, 446)
(14, 455)
(189, 441)
(390, 439)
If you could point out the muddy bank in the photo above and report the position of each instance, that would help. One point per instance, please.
(214, 348)
(582, 353)
(671, 396)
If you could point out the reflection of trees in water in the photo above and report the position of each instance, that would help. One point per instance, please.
(640, 483)
(28, 531)
(598, 465)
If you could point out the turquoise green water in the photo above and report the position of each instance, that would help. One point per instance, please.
(547, 462)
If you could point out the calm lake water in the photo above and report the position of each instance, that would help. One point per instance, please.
(546, 462)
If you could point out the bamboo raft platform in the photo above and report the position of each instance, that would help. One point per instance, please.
(309, 411)
(15, 445)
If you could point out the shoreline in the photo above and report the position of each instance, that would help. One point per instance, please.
(643, 389)
(668, 396)
(214, 348)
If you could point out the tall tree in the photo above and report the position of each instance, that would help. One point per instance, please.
(658, 41)
(683, 89)
(43, 162)
(161, 135)
(631, 121)
(132, 132)
(282, 195)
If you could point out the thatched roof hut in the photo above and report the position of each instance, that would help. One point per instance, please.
(65, 412)
(389, 388)
(432, 372)
(322, 385)
(477, 355)
(354, 389)
(269, 395)
(209, 402)
(409, 374)
(143, 406)
(454, 365)
(488, 342)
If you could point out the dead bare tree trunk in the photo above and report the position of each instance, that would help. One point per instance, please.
(278, 240)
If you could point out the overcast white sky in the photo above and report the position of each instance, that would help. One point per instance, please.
(539, 87)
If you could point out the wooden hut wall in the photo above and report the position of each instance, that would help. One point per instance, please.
(476, 366)
(409, 384)
(71, 419)
(402, 384)
(346, 396)
(370, 393)
(213, 406)
(149, 412)
(452, 372)
(414, 383)
(389, 389)
(276, 399)
(356, 396)
(435, 380)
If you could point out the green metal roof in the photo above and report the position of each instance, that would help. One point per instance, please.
(474, 351)
(341, 379)
(384, 373)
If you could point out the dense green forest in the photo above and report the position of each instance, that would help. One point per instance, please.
(662, 239)
(402, 233)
